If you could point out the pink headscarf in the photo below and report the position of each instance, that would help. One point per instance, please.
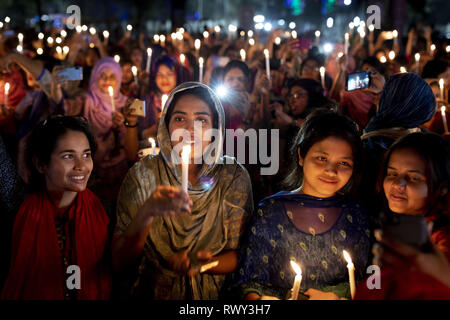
(98, 108)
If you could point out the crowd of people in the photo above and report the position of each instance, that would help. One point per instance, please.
(89, 182)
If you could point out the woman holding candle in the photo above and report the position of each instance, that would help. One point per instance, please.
(313, 223)
(107, 126)
(415, 181)
(168, 233)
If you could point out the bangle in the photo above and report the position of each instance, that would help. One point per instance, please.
(127, 124)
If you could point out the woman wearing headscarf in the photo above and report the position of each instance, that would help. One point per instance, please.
(406, 103)
(164, 233)
(107, 126)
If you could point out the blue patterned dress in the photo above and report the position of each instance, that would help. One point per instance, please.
(272, 240)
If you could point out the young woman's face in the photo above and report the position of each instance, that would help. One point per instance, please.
(235, 80)
(107, 78)
(311, 70)
(190, 109)
(127, 74)
(327, 167)
(405, 184)
(166, 79)
(298, 100)
(70, 164)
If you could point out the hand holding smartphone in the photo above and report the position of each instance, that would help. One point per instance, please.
(357, 81)
(70, 74)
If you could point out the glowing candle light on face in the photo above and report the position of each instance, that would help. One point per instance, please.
(297, 281)
(322, 76)
(153, 144)
(117, 58)
(7, 85)
(134, 71)
(417, 57)
(444, 118)
(111, 94)
(441, 88)
(200, 71)
(266, 54)
(351, 273)
(242, 52)
(185, 155)
(163, 101)
(149, 59)
(346, 44)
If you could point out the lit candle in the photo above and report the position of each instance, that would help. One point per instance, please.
(441, 87)
(134, 70)
(162, 38)
(351, 273)
(197, 44)
(92, 31)
(185, 155)
(149, 59)
(111, 94)
(417, 57)
(294, 34)
(403, 69)
(65, 51)
(153, 144)
(444, 118)
(20, 36)
(297, 281)
(251, 41)
(277, 41)
(383, 59)
(163, 101)
(182, 59)
(371, 28)
(322, 76)
(7, 85)
(351, 26)
(395, 35)
(317, 34)
(242, 52)
(200, 71)
(106, 35)
(346, 44)
(391, 55)
(205, 34)
(266, 53)
(117, 58)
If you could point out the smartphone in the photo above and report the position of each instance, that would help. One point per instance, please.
(139, 108)
(357, 81)
(409, 229)
(71, 74)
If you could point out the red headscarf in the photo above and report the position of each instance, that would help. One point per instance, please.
(37, 271)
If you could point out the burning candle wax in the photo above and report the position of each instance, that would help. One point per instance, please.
(134, 70)
(444, 118)
(149, 59)
(111, 94)
(346, 44)
(7, 85)
(242, 52)
(351, 273)
(153, 144)
(322, 76)
(163, 101)
(297, 281)
(182, 59)
(417, 57)
(441, 88)
(266, 54)
(185, 155)
(200, 71)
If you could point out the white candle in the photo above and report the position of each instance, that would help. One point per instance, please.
(200, 69)
(149, 59)
(20, 36)
(444, 118)
(441, 88)
(322, 76)
(106, 35)
(163, 101)
(395, 34)
(197, 44)
(185, 155)
(134, 70)
(346, 44)
(351, 273)
(153, 144)
(297, 281)
(317, 34)
(182, 59)
(266, 53)
(417, 57)
(242, 52)
(111, 94)
(7, 85)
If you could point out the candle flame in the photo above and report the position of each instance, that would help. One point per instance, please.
(242, 52)
(346, 36)
(197, 44)
(186, 153)
(7, 85)
(392, 55)
(149, 51)
(296, 267)
(152, 142)
(441, 83)
(395, 33)
(111, 91)
(163, 101)
(347, 257)
(200, 61)
(417, 56)
(403, 70)
(106, 34)
(117, 58)
(134, 70)
(443, 108)
(371, 28)
(266, 53)
(322, 70)
(182, 58)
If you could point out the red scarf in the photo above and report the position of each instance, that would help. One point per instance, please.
(37, 271)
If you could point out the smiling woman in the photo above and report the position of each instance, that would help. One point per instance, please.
(61, 223)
